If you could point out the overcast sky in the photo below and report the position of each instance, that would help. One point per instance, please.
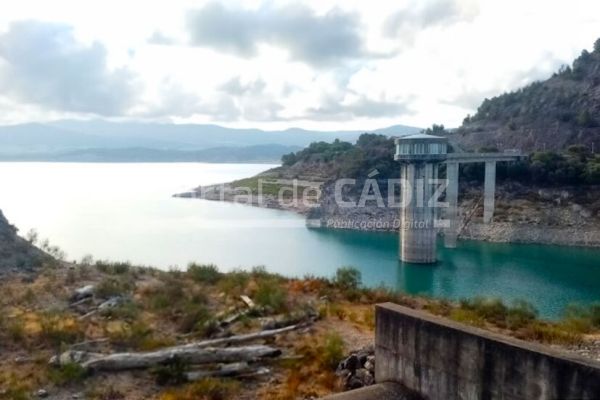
(316, 64)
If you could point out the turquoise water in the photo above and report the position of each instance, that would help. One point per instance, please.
(126, 212)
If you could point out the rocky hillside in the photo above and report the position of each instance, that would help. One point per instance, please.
(548, 115)
(16, 254)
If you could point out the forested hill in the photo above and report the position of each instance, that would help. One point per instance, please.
(552, 115)
(373, 156)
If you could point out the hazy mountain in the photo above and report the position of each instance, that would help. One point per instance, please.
(268, 153)
(552, 114)
(66, 140)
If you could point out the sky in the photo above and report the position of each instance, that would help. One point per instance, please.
(315, 64)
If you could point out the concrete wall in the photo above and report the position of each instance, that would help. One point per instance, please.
(441, 359)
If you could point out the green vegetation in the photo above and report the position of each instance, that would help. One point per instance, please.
(205, 389)
(347, 278)
(67, 374)
(206, 273)
(371, 152)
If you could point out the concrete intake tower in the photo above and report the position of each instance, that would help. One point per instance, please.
(419, 156)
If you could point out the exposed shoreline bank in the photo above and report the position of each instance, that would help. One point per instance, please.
(551, 218)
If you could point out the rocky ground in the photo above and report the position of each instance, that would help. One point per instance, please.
(74, 331)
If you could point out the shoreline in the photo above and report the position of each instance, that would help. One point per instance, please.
(373, 219)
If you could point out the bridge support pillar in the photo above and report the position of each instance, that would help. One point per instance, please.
(489, 191)
(451, 231)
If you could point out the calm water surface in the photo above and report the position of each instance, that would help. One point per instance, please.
(126, 212)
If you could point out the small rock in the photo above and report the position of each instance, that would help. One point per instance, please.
(42, 393)
(351, 363)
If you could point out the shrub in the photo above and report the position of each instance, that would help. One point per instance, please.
(204, 273)
(205, 389)
(196, 318)
(58, 328)
(67, 374)
(520, 314)
(582, 319)
(110, 287)
(173, 373)
(550, 333)
(348, 278)
(113, 268)
(234, 283)
(492, 310)
(270, 294)
(333, 350)
(466, 317)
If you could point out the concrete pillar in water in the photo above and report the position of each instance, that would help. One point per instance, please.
(489, 191)
(419, 157)
(451, 232)
(418, 235)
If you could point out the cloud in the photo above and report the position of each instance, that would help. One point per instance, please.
(316, 39)
(42, 63)
(235, 87)
(423, 14)
(359, 107)
(161, 39)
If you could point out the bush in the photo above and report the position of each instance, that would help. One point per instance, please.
(549, 333)
(113, 268)
(110, 287)
(234, 283)
(67, 374)
(520, 314)
(172, 373)
(271, 295)
(205, 389)
(196, 318)
(333, 350)
(204, 273)
(348, 278)
(58, 329)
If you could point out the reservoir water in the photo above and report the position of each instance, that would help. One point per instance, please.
(126, 212)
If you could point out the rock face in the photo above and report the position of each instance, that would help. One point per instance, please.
(16, 254)
(548, 115)
(524, 214)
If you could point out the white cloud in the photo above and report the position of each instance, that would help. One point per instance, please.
(324, 64)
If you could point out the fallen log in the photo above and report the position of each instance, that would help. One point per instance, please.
(238, 370)
(244, 338)
(186, 354)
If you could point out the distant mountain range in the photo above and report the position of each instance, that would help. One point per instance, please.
(104, 141)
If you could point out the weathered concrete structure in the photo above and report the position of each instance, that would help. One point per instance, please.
(453, 162)
(380, 391)
(420, 156)
(442, 359)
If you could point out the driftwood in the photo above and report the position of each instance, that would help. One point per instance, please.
(186, 354)
(248, 301)
(238, 370)
(243, 338)
(204, 352)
